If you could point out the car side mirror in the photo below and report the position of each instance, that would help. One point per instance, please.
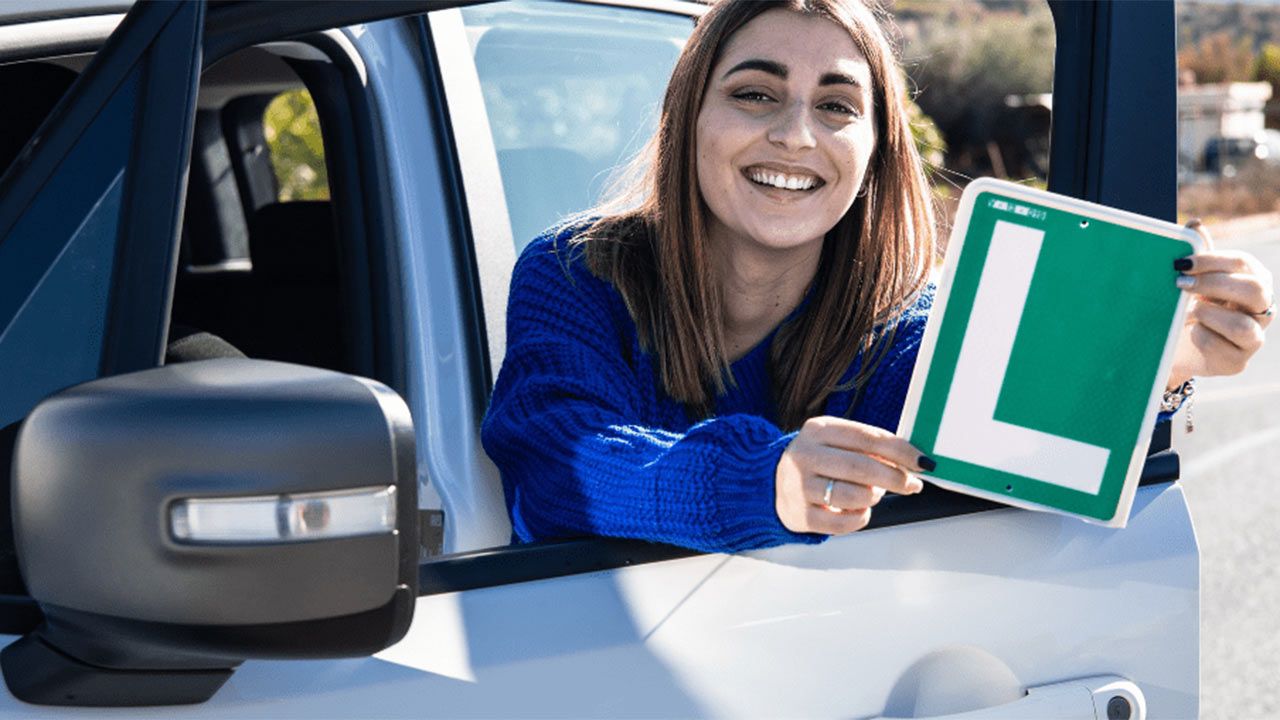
(174, 522)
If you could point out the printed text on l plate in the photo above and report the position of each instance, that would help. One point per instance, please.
(969, 431)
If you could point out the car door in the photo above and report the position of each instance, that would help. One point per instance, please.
(942, 593)
(946, 605)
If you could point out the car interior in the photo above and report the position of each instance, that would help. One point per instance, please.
(257, 276)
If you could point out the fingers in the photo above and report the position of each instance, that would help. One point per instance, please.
(835, 470)
(868, 440)
(1240, 329)
(1221, 356)
(1226, 261)
(849, 466)
(821, 520)
(1197, 225)
(844, 495)
(1246, 291)
(1228, 276)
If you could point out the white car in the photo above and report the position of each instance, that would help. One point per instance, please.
(252, 537)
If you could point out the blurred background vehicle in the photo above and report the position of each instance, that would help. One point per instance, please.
(1225, 156)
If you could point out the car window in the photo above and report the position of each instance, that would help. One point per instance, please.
(292, 130)
(31, 89)
(74, 342)
(72, 222)
(285, 299)
(63, 319)
(571, 91)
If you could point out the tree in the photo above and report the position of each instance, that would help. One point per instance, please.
(1266, 67)
(970, 71)
(1219, 58)
(292, 128)
(928, 139)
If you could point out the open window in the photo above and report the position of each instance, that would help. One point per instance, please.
(547, 108)
(262, 252)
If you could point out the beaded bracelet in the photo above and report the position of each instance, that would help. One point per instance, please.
(1174, 399)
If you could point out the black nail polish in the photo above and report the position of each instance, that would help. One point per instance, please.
(926, 463)
(1182, 264)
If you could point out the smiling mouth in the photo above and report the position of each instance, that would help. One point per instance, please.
(800, 182)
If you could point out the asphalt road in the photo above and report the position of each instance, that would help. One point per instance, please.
(1231, 472)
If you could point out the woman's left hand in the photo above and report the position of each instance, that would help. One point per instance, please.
(1231, 305)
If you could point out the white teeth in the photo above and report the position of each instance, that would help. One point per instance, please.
(785, 182)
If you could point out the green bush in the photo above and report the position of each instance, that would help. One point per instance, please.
(293, 136)
(969, 68)
(1266, 68)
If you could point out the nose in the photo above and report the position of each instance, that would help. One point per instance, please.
(791, 130)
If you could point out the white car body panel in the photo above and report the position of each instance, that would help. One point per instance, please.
(865, 625)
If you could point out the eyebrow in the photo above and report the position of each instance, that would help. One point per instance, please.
(839, 79)
(768, 66)
(779, 70)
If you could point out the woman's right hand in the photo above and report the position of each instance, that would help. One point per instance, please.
(861, 462)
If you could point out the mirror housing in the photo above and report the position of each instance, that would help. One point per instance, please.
(174, 522)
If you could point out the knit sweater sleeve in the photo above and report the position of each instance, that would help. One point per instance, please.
(880, 401)
(565, 428)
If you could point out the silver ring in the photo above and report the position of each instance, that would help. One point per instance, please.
(826, 496)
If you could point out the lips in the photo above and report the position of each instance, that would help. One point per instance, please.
(792, 179)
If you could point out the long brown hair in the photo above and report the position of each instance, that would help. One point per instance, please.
(874, 261)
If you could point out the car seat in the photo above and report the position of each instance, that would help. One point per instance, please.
(289, 306)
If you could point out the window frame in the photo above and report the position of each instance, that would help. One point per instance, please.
(355, 181)
(1115, 68)
(142, 279)
(490, 234)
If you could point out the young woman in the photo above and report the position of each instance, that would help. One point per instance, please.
(722, 366)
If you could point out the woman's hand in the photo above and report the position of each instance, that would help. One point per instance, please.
(857, 462)
(1232, 295)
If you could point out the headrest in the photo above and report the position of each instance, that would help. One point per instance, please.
(294, 240)
(187, 344)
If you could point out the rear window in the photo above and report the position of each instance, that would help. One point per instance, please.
(292, 129)
(572, 91)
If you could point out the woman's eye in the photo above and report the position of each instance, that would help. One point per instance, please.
(840, 108)
(751, 96)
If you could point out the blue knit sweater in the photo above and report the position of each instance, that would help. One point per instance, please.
(588, 442)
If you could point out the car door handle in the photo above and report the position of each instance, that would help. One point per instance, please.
(1103, 697)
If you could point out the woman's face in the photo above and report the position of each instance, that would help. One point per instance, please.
(785, 131)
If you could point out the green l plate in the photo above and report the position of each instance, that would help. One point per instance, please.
(1043, 361)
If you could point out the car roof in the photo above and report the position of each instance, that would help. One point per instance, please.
(20, 11)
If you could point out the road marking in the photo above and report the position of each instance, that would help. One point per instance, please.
(969, 431)
(1230, 451)
(1211, 395)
